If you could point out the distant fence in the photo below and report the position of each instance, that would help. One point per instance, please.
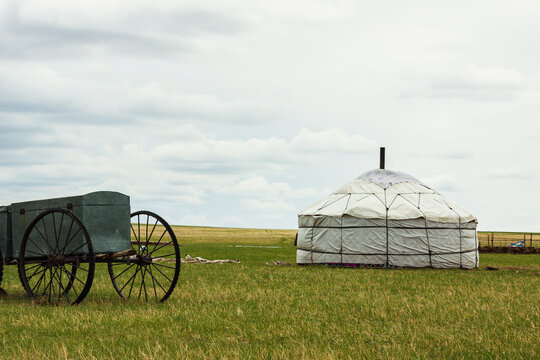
(502, 239)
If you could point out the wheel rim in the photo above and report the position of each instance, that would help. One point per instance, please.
(56, 259)
(153, 272)
(1, 267)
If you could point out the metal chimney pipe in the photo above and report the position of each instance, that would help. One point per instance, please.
(382, 159)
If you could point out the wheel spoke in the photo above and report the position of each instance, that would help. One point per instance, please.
(60, 231)
(37, 272)
(135, 234)
(126, 269)
(161, 272)
(45, 287)
(154, 279)
(133, 282)
(50, 283)
(73, 276)
(63, 251)
(40, 279)
(61, 289)
(132, 276)
(31, 267)
(33, 252)
(146, 230)
(45, 231)
(77, 266)
(55, 234)
(145, 293)
(45, 239)
(158, 264)
(80, 246)
(36, 245)
(151, 233)
(161, 247)
(159, 241)
(162, 256)
(59, 282)
(71, 284)
(142, 281)
(139, 229)
(67, 237)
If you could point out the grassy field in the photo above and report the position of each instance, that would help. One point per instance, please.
(253, 310)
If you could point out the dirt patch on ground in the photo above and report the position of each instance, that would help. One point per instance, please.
(517, 268)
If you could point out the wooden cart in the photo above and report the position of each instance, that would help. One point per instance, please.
(56, 244)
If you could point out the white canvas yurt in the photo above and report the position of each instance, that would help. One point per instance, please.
(389, 219)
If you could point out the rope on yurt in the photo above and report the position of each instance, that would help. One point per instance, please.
(392, 203)
(311, 243)
(311, 237)
(427, 238)
(328, 203)
(341, 227)
(401, 254)
(460, 236)
(460, 245)
(378, 226)
(386, 227)
(476, 245)
(426, 225)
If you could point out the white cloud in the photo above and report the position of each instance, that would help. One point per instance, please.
(233, 221)
(508, 173)
(217, 151)
(331, 140)
(197, 220)
(27, 87)
(303, 193)
(455, 154)
(267, 206)
(442, 183)
(256, 186)
(472, 82)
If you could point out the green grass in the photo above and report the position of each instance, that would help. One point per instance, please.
(252, 310)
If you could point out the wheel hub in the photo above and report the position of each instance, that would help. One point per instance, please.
(143, 259)
(54, 260)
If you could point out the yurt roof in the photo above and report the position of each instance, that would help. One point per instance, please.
(392, 195)
(385, 178)
(381, 180)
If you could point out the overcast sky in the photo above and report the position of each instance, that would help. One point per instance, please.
(241, 113)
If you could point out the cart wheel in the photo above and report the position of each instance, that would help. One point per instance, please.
(56, 260)
(1, 267)
(153, 272)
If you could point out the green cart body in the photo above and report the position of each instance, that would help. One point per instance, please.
(61, 239)
(105, 214)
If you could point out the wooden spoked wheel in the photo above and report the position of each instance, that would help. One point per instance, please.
(1, 267)
(153, 272)
(56, 258)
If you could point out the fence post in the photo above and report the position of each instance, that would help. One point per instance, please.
(531, 239)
